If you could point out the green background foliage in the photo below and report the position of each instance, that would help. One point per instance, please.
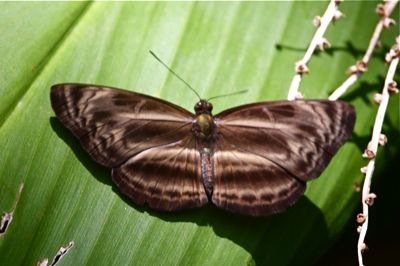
(218, 47)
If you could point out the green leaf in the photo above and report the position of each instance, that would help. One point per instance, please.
(218, 47)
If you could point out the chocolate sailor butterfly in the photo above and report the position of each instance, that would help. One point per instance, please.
(253, 159)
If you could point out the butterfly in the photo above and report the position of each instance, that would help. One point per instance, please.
(253, 159)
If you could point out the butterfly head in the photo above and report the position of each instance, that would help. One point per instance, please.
(203, 107)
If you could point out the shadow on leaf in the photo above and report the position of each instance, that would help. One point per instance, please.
(255, 235)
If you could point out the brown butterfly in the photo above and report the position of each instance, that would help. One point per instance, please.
(253, 159)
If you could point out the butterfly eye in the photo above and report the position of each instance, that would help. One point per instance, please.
(209, 106)
(198, 107)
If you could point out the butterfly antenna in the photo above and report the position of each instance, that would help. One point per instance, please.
(228, 94)
(173, 72)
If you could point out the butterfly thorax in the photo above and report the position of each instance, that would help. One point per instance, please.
(204, 126)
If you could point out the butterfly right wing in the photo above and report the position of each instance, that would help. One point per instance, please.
(166, 177)
(146, 141)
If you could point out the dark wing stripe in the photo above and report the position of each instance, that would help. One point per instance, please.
(266, 157)
(271, 129)
(304, 142)
(98, 146)
(270, 189)
(236, 143)
(113, 124)
(265, 152)
(173, 162)
(269, 159)
(147, 141)
(166, 177)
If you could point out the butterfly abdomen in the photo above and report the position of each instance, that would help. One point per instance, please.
(204, 131)
(207, 171)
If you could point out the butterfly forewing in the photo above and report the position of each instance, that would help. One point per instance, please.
(114, 124)
(300, 135)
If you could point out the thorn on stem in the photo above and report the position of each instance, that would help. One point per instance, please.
(382, 140)
(381, 10)
(299, 96)
(323, 44)
(364, 247)
(360, 218)
(369, 154)
(337, 15)
(370, 199)
(394, 52)
(388, 22)
(301, 68)
(392, 88)
(317, 21)
(359, 68)
(364, 169)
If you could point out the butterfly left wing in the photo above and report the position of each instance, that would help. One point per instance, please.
(250, 184)
(265, 152)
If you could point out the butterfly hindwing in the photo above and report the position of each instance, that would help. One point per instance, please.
(166, 177)
(247, 183)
